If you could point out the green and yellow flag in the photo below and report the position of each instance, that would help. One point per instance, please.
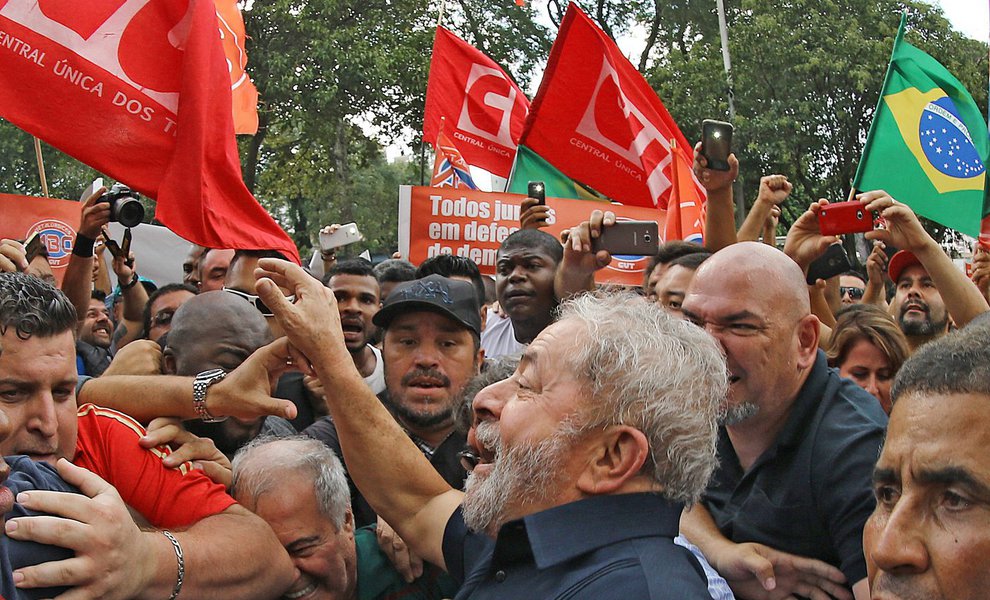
(928, 144)
(530, 166)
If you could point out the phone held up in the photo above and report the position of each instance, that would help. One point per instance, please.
(848, 217)
(347, 234)
(537, 190)
(716, 143)
(833, 262)
(629, 238)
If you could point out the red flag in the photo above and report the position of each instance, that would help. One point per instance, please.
(139, 90)
(449, 168)
(244, 94)
(486, 108)
(597, 120)
(685, 218)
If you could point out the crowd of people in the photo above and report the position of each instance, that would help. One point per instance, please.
(728, 429)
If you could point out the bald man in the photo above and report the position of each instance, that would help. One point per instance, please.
(219, 330)
(786, 507)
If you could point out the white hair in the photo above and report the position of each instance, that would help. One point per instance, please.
(264, 463)
(664, 376)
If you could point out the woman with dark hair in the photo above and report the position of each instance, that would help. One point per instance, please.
(868, 347)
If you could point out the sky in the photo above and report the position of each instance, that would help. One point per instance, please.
(971, 17)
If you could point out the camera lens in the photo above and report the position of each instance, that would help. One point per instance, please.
(647, 238)
(128, 212)
(859, 214)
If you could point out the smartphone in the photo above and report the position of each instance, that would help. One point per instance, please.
(537, 190)
(833, 262)
(629, 238)
(347, 234)
(716, 143)
(847, 217)
(32, 247)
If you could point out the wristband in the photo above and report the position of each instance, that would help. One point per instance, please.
(83, 246)
(181, 575)
(131, 283)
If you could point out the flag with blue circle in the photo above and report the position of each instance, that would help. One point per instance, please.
(928, 144)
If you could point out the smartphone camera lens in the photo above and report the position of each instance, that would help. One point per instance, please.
(647, 238)
(859, 215)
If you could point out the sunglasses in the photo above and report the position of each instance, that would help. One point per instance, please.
(256, 301)
(854, 292)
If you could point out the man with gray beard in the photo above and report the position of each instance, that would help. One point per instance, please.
(784, 513)
(587, 455)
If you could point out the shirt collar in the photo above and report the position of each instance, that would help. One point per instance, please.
(565, 532)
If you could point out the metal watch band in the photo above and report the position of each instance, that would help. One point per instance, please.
(201, 384)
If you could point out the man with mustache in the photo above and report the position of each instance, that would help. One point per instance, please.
(619, 399)
(917, 305)
(929, 537)
(430, 350)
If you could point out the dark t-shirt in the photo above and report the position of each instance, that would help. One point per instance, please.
(443, 458)
(811, 492)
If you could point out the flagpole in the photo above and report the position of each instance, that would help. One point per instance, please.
(41, 167)
(723, 31)
(440, 16)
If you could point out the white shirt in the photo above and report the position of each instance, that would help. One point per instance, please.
(376, 381)
(498, 338)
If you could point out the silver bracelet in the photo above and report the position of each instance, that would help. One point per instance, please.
(182, 564)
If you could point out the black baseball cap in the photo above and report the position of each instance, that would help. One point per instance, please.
(452, 298)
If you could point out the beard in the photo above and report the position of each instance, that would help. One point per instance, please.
(523, 474)
(737, 413)
(924, 327)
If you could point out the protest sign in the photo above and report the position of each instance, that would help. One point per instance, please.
(473, 224)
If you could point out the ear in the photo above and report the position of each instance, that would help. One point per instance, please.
(479, 360)
(348, 526)
(617, 456)
(808, 332)
(168, 361)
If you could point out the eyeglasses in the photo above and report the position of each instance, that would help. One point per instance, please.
(854, 292)
(163, 318)
(256, 301)
(468, 459)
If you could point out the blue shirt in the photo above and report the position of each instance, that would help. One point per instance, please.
(811, 492)
(619, 546)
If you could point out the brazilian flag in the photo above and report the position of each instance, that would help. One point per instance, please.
(928, 145)
(530, 166)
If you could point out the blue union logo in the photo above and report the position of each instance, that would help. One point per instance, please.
(946, 141)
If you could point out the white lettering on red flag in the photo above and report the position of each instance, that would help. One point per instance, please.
(472, 92)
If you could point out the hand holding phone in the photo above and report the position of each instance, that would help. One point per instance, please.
(833, 262)
(716, 143)
(537, 190)
(346, 234)
(848, 217)
(629, 238)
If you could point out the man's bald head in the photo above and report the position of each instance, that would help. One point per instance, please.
(214, 330)
(759, 273)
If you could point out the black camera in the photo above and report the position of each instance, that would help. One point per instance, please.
(125, 208)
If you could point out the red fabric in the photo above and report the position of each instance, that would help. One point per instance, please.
(597, 120)
(245, 95)
(141, 92)
(485, 110)
(685, 220)
(107, 445)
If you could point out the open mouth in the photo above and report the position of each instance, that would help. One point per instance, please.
(352, 326)
(426, 383)
(517, 293)
(309, 589)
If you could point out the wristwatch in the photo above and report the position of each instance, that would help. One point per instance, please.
(202, 383)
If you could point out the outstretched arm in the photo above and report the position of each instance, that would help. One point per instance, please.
(386, 466)
(234, 553)
(962, 298)
(720, 220)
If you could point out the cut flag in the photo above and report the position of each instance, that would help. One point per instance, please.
(685, 214)
(597, 120)
(449, 168)
(244, 96)
(483, 107)
(140, 91)
(928, 144)
(530, 166)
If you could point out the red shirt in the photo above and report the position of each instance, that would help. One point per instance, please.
(107, 444)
